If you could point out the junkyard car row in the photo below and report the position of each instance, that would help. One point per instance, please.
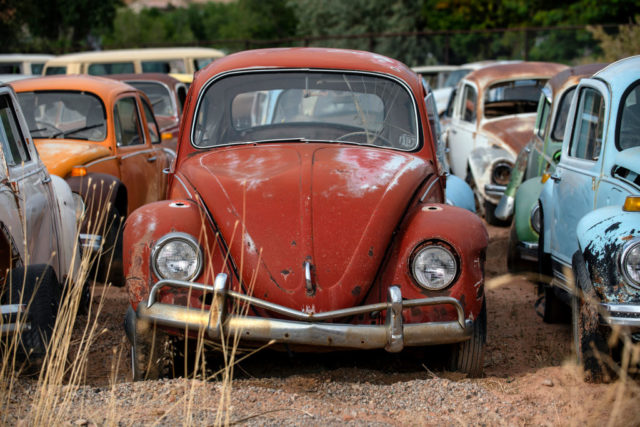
(306, 201)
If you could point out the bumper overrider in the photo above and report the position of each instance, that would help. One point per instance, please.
(309, 329)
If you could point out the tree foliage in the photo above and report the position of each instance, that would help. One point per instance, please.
(625, 43)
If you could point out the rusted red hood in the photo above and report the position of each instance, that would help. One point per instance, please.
(514, 131)
(332, 206)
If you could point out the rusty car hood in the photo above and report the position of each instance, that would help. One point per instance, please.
(279, 206)
(513, 131)
(60, 155)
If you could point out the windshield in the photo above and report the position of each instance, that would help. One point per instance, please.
(306, 106)
(159, 96)
(513, 97)
(629, 127)
(64, 114)
(455, 76)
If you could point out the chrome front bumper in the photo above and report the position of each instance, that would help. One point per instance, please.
(528, 251)
(13, 319)
(621, 314)
(91, 242)
(494, 190)
(305, 328)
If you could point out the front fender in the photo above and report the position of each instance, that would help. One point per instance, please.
(546, 204)
(457, 227)
(602, 235)
(481, 163)
(526, 199)
(98, 190)
(459, 193)
(68, 235)
(505, 207)
(150, 222)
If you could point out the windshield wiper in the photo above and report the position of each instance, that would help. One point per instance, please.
(69, 132)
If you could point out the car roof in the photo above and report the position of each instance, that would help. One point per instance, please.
(621, 74)
(514, 71)
(101, 86)
(26, 57)
(145, 77)
(131, 54)
(309, 58)
(571, 76)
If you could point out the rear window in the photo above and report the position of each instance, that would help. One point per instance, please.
(101, 69)
(166, 67)
(513, 97)
(50, 71)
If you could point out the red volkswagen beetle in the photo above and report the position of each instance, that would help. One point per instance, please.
(306, 209)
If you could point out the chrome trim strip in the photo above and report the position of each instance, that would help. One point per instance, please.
(177, 177)
(495, 190)
(12, 308)
(103, 159)
(91, 241)
(621, 314)
(137, 153)
(434, 182)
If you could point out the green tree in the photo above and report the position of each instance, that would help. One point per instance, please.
(625, 43)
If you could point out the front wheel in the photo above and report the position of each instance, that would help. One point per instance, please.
(468, 356)
(589, 337)
(111, 266)
(39, 291)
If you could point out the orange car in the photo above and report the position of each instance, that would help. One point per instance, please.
(102, 137)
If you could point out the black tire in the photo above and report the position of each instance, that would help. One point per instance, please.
(490, 215)
(590, 338)
(468, 356)
(111, 264)
(40, 291)
(151, 352)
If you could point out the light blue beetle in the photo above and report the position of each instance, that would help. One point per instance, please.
(590, 210)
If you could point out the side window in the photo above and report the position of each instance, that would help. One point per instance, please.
(13, 143)
(182, 97)
(588, 129)
(629, 127)
(469, 104)
(561, 115)
(101, 69)
(543, 116)
(128, 129)
(154, 131)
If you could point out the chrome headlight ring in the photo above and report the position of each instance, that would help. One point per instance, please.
(177, 256)
(501, 172)
(535, 218)
(434, 265)
(629, 262)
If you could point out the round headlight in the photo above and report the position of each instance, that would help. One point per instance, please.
(434, 267)
(501, 173)
(177, 256)
(79, 206)
(630, 262)
(535, 218)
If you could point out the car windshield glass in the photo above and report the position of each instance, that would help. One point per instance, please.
(455, 76)
(306, 106)
(64, 114)
(512, 97)
(159, 96)
(629, 129)
(561, 115)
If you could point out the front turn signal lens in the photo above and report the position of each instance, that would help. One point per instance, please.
(632, 204)
(167, 135)
(545, 177)
(78, 171)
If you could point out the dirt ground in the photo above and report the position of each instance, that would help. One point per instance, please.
(530, 378)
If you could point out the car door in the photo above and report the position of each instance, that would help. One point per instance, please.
(137, 157)
(578, 173)
(31, 186)
(163, 156)
(462, 132)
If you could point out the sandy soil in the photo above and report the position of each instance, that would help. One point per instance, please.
(530, 378)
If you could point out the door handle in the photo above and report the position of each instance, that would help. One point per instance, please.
(46, 179)
(152, 159)
(556, 178)
(453, 131)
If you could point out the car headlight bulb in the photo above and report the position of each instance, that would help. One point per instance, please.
(434, 267)
(177, 256)
(630, 262)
